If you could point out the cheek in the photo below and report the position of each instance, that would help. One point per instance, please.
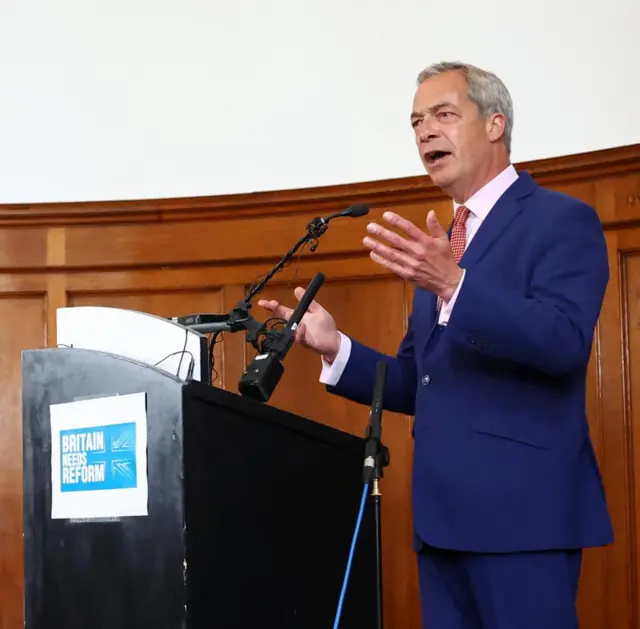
(470, 147)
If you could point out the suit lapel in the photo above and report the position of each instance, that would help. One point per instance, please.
(499, 218)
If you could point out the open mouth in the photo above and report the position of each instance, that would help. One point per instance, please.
(435, 157)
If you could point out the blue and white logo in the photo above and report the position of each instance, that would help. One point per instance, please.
(98, 458)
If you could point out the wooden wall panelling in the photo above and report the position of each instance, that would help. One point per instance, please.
(23, 248)
(56, 282)
(260, 241)
(176, 256)
(618, 599)
(630, 260)
(593, 584)
(23, 319)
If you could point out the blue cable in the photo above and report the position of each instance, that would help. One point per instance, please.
(351, 552)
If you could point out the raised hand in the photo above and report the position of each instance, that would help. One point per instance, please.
(317, 329)
(424, 259)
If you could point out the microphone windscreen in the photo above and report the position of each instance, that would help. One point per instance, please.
(359, 209)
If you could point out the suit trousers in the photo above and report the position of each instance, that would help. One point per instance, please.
(528, 590)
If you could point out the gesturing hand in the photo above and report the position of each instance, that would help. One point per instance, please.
(317, 329)
(424, 259)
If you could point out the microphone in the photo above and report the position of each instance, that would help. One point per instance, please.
(205, 323)
(262, 375)
(355, 211)
(373, 445)
(318, 226)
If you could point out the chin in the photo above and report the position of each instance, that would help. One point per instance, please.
(443, 178)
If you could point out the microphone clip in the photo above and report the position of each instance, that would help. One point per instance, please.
(376, 454)
(376, 457)
(315, 229)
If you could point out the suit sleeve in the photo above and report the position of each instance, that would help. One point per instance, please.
(551, 327)
(357, 379)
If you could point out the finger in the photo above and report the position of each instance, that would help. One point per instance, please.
(391, 254)
(396, 268)
(407, 226)
(410, 246)
(281, 312)
(433, 225)
(268, 304)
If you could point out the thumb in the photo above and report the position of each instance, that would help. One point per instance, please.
(434, 227)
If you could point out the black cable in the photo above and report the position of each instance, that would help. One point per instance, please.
(284, 262)
(212, 341)
(191, 365)
(295, 273)
(268, 332)
(184, 349)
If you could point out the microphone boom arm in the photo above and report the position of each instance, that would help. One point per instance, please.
(239, 318)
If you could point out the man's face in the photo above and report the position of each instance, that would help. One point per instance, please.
(453, 140)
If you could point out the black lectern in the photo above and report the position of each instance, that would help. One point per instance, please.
(247, 523)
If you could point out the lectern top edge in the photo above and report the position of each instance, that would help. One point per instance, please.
(234, 401)
(92, 352)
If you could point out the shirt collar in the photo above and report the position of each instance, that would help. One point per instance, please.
(484, 199)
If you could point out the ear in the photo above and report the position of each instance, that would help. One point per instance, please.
(496, 125)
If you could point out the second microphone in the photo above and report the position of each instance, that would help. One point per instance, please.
(264, 372)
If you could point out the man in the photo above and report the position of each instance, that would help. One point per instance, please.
(506, 488)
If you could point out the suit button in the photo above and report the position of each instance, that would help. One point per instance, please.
(426, 380)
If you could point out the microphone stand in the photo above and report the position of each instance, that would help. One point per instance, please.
(382, 459)
(376, 458)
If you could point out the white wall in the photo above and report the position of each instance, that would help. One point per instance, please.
(152, 98)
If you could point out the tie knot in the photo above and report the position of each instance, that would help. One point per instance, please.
(461, 216)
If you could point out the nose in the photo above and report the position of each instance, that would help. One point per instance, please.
(425, 135)
(426, 130)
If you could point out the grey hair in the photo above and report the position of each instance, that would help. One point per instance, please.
(486, 90)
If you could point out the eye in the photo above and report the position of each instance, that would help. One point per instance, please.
(445, 114)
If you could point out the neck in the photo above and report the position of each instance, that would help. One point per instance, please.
(463, 191)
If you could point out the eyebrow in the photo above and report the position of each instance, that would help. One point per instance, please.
(432, 110)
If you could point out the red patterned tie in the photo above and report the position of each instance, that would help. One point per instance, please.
(458, 237)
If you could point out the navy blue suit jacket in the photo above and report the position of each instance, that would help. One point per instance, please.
(503, 460)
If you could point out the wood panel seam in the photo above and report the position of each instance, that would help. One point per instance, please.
(629, 453)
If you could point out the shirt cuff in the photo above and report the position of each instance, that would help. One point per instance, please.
(331, 373)
(447, 309)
